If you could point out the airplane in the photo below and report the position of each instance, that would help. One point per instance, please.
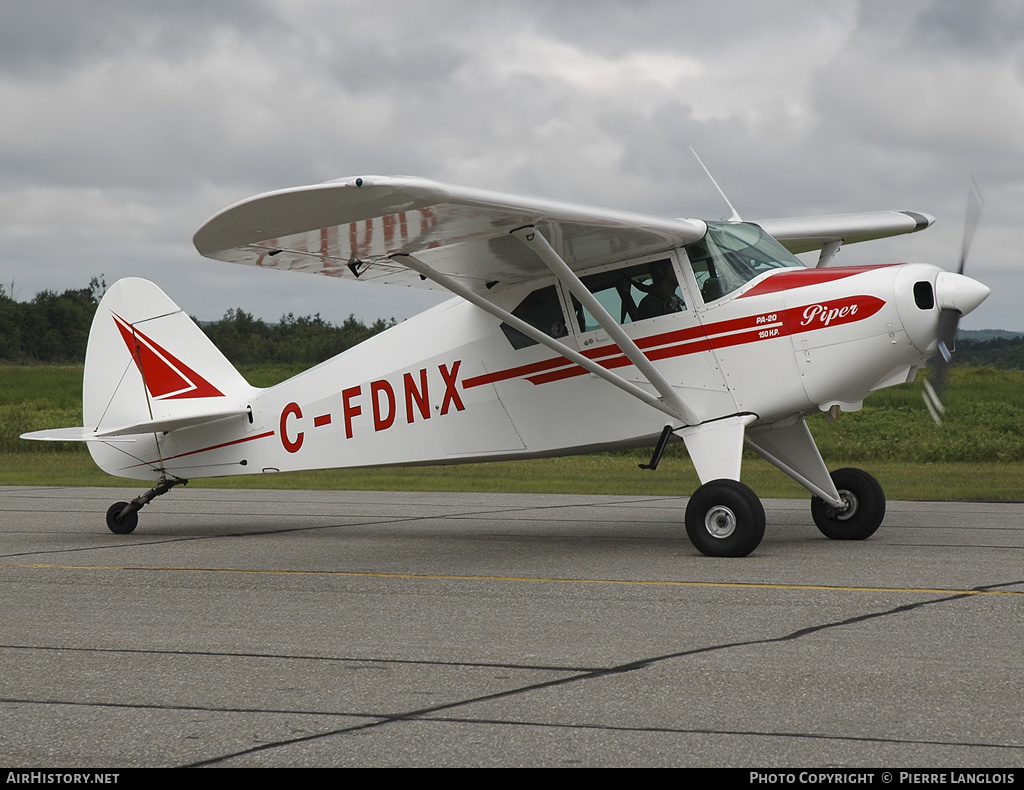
(571, 329)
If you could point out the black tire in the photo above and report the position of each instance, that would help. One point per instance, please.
(724, 518)
(118, 525)
(864, 514)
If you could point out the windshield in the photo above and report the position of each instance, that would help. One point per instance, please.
(733, 254)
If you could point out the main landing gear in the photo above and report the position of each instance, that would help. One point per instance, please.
(123, 517)
(864, 511)
(724, 518)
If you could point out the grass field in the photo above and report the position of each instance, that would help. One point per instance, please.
(978, 452)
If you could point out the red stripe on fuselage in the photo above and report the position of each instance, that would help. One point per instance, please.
(205, 449)
(787, 279)
(692, 340)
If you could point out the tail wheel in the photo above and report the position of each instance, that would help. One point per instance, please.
(864, 511)
(724, 518)
(119, 525)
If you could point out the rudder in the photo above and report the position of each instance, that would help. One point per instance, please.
(147, 361)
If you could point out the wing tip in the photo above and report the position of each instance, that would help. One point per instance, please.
(76, 434)
(921, 220)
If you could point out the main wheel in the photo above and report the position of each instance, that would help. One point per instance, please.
(118, 525)
(724, 518)
(865, 507)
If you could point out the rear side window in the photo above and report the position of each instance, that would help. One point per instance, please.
(629, 294)
(542, 310)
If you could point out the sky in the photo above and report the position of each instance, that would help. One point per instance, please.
(127, 124)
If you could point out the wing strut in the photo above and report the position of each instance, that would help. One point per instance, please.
(828, 252)
(535, 240)
(533, 333)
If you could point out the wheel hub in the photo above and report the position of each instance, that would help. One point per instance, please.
(850, 503)
(720, 522)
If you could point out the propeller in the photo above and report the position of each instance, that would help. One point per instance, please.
(953, 294)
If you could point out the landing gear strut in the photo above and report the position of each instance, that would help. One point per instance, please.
(724, 518)
(865, 507)
(123, 517)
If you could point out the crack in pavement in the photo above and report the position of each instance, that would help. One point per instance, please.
(428, 713)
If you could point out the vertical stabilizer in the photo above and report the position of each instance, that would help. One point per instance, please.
(147, 361)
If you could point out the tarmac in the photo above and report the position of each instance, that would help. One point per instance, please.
(343, 628)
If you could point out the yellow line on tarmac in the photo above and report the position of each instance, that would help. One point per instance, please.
(535, 579)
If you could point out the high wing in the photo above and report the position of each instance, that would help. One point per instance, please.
(803, 234)
(352, 227)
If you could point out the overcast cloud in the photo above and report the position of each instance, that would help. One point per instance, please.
(127, 124)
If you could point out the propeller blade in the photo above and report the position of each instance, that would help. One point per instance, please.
(975, 203)
(935, 389)
(949, 317)
(931, 400)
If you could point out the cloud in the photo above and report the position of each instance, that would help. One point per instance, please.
(129, 123)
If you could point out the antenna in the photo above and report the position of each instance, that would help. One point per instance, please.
(735, 214)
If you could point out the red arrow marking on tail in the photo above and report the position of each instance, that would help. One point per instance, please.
(166, 376)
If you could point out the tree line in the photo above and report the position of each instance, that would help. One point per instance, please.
(54, 327)
(1000, 352)
(244, 339)
(51, 328)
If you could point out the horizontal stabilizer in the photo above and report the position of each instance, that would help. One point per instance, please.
(169, 424)
(149, 426)
(79, 434)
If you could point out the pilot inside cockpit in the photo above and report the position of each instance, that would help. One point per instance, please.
(662, 296)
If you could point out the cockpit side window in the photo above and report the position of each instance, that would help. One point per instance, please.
(632, 294)
(731, 255)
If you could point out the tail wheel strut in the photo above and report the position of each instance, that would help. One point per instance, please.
(123, 517)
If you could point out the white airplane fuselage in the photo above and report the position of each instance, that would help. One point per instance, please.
(447, 386)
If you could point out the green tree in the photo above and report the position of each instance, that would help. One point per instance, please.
(51, 328)
(55, 327)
